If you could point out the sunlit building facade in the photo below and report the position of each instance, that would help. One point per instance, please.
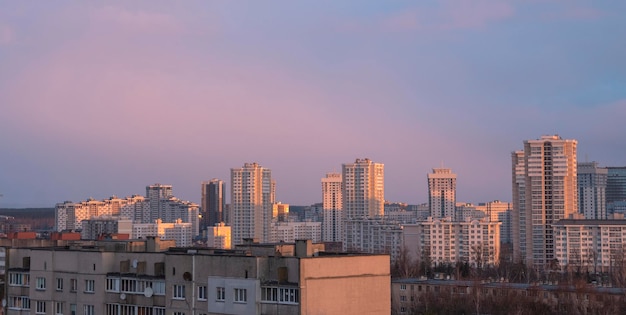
(363, 192)
(544, 191)
(442, 193)
(252, 196)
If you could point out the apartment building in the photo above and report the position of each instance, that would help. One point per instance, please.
(115, 278)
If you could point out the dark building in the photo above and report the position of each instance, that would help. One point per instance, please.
(213, 203)
(615, 188)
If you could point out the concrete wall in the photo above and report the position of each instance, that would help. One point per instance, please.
(345, 285)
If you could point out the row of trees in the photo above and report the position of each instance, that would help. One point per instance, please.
(508, 302)
(615, 275)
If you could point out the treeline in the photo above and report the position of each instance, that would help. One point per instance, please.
(37, 218)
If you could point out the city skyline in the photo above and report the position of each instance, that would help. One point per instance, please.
(101, 99)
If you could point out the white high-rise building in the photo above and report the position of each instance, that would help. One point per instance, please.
(592, 190)
(544, 191)
(218, 236)
(252, 197)
(332, 203)
(442, 193)
(363, 189)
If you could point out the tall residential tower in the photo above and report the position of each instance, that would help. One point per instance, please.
(442, 193)
(213, 203)
(332, 203)
(363, 189)
(251, 197)
(544, 191)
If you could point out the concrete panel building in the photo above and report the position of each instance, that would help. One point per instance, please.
(115, 278)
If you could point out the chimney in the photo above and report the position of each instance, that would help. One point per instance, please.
(304, 248)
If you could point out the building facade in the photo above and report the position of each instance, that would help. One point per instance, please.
(591, 181)
(114, 279)
(332, 204)
(252, 196)
(442, 193)
(363, 191)
(374, 236)
(213, 203)
(547, 169)
(590, 245)
(441, 241)
(616, 189)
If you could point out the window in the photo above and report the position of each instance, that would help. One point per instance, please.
(73, 285)
(221, 294)
(113, 285)
(403, 287)
(89, 310)
(40, 307)
(58, 308)
(59, 284)
(241, 295)
(179, 292)
(158, 287)
(269, 294)
(288, 295)
(90, 286)
(19, 279)
(158, 310)
(19, 303)
(202, 293)
(73, 309)
(40, 283)
(112, 309)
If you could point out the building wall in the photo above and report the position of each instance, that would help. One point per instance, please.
(442, 193)
(346, 285)
(549, 170)
(363, 189)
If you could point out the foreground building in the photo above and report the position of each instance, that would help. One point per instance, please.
(115, 278)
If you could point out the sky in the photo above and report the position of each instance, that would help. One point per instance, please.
(104, 98)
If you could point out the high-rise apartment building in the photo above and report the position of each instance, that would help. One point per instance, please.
(616, 189)
(592, 190)
(363, 189)
(544, 191)
(332, 203)
(156, 195)
(213, 203)
(251, 197)
(442, 193)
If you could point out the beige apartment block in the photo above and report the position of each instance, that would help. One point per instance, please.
(142, 277)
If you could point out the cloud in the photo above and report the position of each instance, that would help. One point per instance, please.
(449, 15)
